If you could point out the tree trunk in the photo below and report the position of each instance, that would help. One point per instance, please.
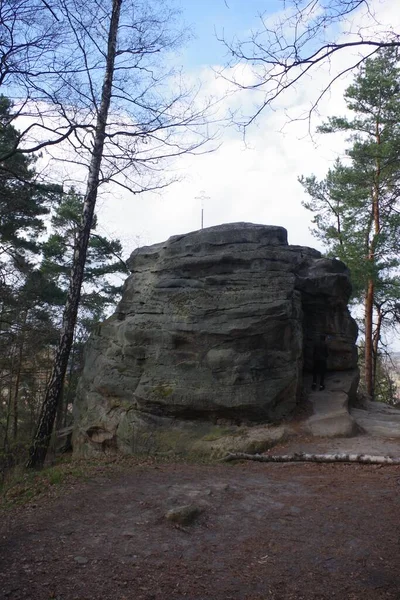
(16, 394)
(68, 394)
(60, 409)
(18, 376)
(368, 350)
(370, 295)
(6, 445)
(369, 459)
(38, 450)
(376, 339)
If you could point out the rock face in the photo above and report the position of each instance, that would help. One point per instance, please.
(214, 330)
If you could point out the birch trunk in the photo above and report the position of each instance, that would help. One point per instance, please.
(38, 450)
(369, 459)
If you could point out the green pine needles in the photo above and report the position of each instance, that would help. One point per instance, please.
(356, 208)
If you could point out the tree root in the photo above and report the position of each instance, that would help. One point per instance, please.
(320, 458)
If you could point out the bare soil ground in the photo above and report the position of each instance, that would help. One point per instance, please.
(266, 532)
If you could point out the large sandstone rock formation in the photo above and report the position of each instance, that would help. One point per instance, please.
(213, 331)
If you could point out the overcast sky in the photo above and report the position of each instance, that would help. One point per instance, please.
(254, 181)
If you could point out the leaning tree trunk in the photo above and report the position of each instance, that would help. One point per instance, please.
(38, 450)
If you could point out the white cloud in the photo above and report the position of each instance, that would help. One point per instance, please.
(254, 182)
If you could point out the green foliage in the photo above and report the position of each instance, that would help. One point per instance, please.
(24, 199)
(34, 273)
(342, 203)
(103, 260)
(101, 288)
(385, 386)
(26, 326)
(356, 207)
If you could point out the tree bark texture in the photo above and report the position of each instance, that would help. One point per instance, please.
(6, 443)
(18, 376)
(376, 339)
(16, 395)
(319, 458)
(38, 450)
(368, 350)
(370, 295)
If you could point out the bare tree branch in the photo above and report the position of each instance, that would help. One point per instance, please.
(110, 110)
(305, 37)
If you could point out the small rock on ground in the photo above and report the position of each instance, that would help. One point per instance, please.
(183, 515)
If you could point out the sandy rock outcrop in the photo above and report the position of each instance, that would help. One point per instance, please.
(213, 332)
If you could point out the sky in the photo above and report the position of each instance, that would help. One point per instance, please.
(252, 180)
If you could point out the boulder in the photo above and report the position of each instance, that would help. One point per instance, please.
(213, 332)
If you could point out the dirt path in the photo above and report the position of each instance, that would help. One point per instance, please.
(267, 532)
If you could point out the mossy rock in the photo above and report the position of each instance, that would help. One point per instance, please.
(163, 390)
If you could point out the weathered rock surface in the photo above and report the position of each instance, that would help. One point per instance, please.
(378, 419)
(331, 416)
(213, 331)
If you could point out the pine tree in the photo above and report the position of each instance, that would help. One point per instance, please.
(34, 273)
(29, 338)
(104, 260)
(25, 202)
(356, 206)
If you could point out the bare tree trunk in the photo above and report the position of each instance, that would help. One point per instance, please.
(16, 394)
(38, 450)
(369, 459)
(370, 296)
(368, 350)
(18, 376)
(6, 446)
(60, 409)
(64, 412)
